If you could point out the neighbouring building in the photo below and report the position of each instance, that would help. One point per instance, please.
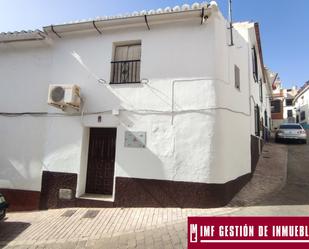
(301, 103)
(282, 109)
(157, 108)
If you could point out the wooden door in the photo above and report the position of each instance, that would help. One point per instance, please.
(101, 161)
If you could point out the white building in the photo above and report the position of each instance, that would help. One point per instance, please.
(174, 120)
(301, 103)
(283, 110)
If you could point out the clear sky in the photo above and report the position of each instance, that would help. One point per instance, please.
(284, 24)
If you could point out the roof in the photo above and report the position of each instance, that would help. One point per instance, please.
(23, 35)
(107, 22)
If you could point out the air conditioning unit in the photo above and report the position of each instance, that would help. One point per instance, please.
(62, 96)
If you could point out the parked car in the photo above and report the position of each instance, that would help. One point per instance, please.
(292, 132)
(3, 206)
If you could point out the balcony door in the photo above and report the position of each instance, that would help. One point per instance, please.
(126, 64)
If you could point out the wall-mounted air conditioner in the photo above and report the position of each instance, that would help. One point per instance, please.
(62, 96)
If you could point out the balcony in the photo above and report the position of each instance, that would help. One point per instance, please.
(125, 72)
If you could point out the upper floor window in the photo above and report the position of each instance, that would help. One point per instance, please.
(237, 77)
(289, 102)
(302, 115)
(276, 106)
(255, 65)
(126, 64)
(261, 90)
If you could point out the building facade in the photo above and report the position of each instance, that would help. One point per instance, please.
(282, 109)
(172, 111)
(301, 106)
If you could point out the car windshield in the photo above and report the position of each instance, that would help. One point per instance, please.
(292, 127)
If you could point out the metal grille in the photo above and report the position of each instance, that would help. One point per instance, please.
(90, 214)
(126, 71)
(68, 213)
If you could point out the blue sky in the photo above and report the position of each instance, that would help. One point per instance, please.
(284, 24)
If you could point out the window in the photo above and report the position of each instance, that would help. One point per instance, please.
(302, 116)
(297, 118)
(237, 77)
(126, 64)
(257, 120)
(289, 102)
(276, 106)
(266, 118)
(261, 90)
(254, 65)
(290, 113)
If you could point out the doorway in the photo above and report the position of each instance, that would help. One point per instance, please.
(101, 161)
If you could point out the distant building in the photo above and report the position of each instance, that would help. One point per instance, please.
(301, 105)
(282, 109)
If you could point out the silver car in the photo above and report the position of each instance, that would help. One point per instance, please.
(291, 132)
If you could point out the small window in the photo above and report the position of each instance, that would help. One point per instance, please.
(302, 115)
(257, 120)
(289, 102)
(276, 106)
(126, 64)
(290, 113)
(254, 65)
(261, 90)
(237, 77)
(266, 118)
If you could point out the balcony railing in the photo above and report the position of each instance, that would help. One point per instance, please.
(124, 72)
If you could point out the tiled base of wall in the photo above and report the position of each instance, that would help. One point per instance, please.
(21, 200)
(133, 192)
(255, 150)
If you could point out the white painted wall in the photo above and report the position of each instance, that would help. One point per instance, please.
(302, 104)
(197, 122)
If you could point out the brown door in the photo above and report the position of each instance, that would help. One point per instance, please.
(101, 161)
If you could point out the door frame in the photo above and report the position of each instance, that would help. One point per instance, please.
(82, 176)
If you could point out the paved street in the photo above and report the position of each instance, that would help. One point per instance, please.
(296, 190)
(266, 194)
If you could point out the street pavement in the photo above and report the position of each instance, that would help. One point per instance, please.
(274, 190)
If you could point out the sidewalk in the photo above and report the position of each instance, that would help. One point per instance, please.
(89, 228)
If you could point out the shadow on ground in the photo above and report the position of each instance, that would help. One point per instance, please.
(10, 230)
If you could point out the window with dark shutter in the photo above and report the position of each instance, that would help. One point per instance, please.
(261, 90)
(254, 65)
(257, 120)
(276, 106)
(237, 77)
(289, 102)
(290, 113)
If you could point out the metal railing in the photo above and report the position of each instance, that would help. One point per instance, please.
(124, 72)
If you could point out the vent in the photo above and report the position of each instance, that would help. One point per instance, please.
(90, 214)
